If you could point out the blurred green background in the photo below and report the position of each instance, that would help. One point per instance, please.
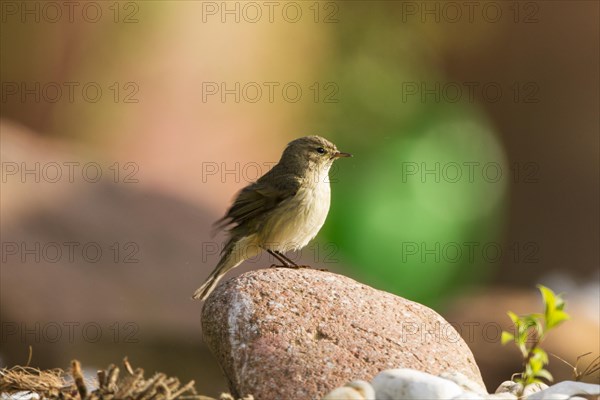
(420, 92)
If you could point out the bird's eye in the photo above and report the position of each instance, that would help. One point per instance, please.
(320, 150)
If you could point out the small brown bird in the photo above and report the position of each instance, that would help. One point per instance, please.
(282, 211)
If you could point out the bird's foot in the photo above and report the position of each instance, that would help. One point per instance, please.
(295, 266)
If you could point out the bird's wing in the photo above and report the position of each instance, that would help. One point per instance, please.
(257, 199)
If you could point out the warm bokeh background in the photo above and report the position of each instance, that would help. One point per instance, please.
(408, 87)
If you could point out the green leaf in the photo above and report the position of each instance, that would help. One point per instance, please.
(549, 299)
(539, 328)
(523, 350)
(532, 321)
(513, 317)
(506, 337)
(541, 355)
(545, 374)
(527, 375)
(556, 318)
(554, 305)
(536, 365)
(529, 320)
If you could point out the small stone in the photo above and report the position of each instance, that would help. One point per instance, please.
(465, 383)
(411, 384)
(343, 331)
(533, 388)
(502, 396)
(355, 390)
(510, 387)
(566, 390)
(468, 395)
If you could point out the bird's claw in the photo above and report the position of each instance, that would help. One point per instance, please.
(290, 266)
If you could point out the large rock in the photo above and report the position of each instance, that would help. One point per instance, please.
(297, 334)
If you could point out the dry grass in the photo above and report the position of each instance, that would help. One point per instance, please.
(110, 384)
(19, 378)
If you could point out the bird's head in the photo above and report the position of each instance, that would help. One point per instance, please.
(311, 154)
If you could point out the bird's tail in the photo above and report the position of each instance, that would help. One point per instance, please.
(228, 261)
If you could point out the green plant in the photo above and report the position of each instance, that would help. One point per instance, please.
(530, 330)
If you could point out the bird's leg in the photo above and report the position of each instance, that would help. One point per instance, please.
(294, 265)
(282, 260)
(286, 258)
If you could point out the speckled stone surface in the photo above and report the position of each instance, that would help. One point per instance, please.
(299, 333)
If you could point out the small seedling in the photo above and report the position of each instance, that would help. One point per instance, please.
(530, 331)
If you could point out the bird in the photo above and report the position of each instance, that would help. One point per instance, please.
(281, 211)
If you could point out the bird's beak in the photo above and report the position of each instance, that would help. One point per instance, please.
(340, 154)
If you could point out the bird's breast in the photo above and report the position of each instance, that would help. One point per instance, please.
(298, 219)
